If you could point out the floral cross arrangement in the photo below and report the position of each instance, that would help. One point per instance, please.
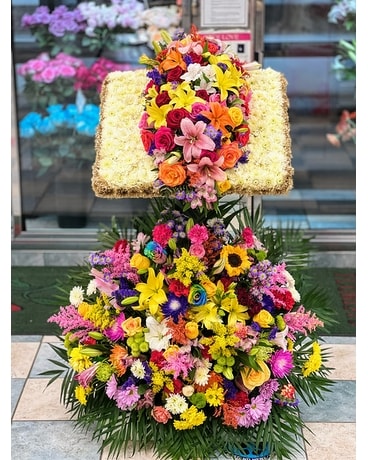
(191, 339)
(195, 119)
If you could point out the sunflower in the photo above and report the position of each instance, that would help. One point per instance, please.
(236, 260)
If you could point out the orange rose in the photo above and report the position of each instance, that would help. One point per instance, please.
(252, 378)
(231, 154)
(160, 414)
(171, 175)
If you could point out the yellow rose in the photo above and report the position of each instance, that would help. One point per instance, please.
(131, 326)
(264, 318)
(236, 115)
(171, 351)
(209, 286)
(140, 262)
(191, 330)
(224, 186)
(252, 378)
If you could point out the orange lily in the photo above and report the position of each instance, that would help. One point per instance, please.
(219, 117)
(173, 59)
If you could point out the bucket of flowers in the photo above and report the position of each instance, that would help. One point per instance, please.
(191, 339)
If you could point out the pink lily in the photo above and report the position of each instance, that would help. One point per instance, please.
(193, 139)
(208, 170)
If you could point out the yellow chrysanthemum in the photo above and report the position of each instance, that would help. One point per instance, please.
(81, 394)
(215, 395)
(314, 362)
(78, 361)
(190, 418)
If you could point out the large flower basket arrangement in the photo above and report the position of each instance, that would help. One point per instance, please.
(191, 338)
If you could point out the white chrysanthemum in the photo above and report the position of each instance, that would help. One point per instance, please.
(92, 287)
(137, 369)
(176, 404)
(76, 296)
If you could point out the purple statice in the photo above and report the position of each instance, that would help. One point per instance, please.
(155, 75)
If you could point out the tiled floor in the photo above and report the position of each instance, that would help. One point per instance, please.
(41, 429)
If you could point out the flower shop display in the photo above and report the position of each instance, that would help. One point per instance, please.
(97, 26)
(191, 339)
(47, 80)
(343, 12)
(64, 134)
(89, 78)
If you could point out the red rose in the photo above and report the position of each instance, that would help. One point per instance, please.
(202, 93)
(175, 74)
(174, 117)
(195, 58)
(162, 98)
(164, 139)
(147, 138)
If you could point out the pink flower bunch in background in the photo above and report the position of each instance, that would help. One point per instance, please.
(48, 80)
(45, 69)
(91, 78)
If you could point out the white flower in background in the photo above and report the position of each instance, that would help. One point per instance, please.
(76, 296)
